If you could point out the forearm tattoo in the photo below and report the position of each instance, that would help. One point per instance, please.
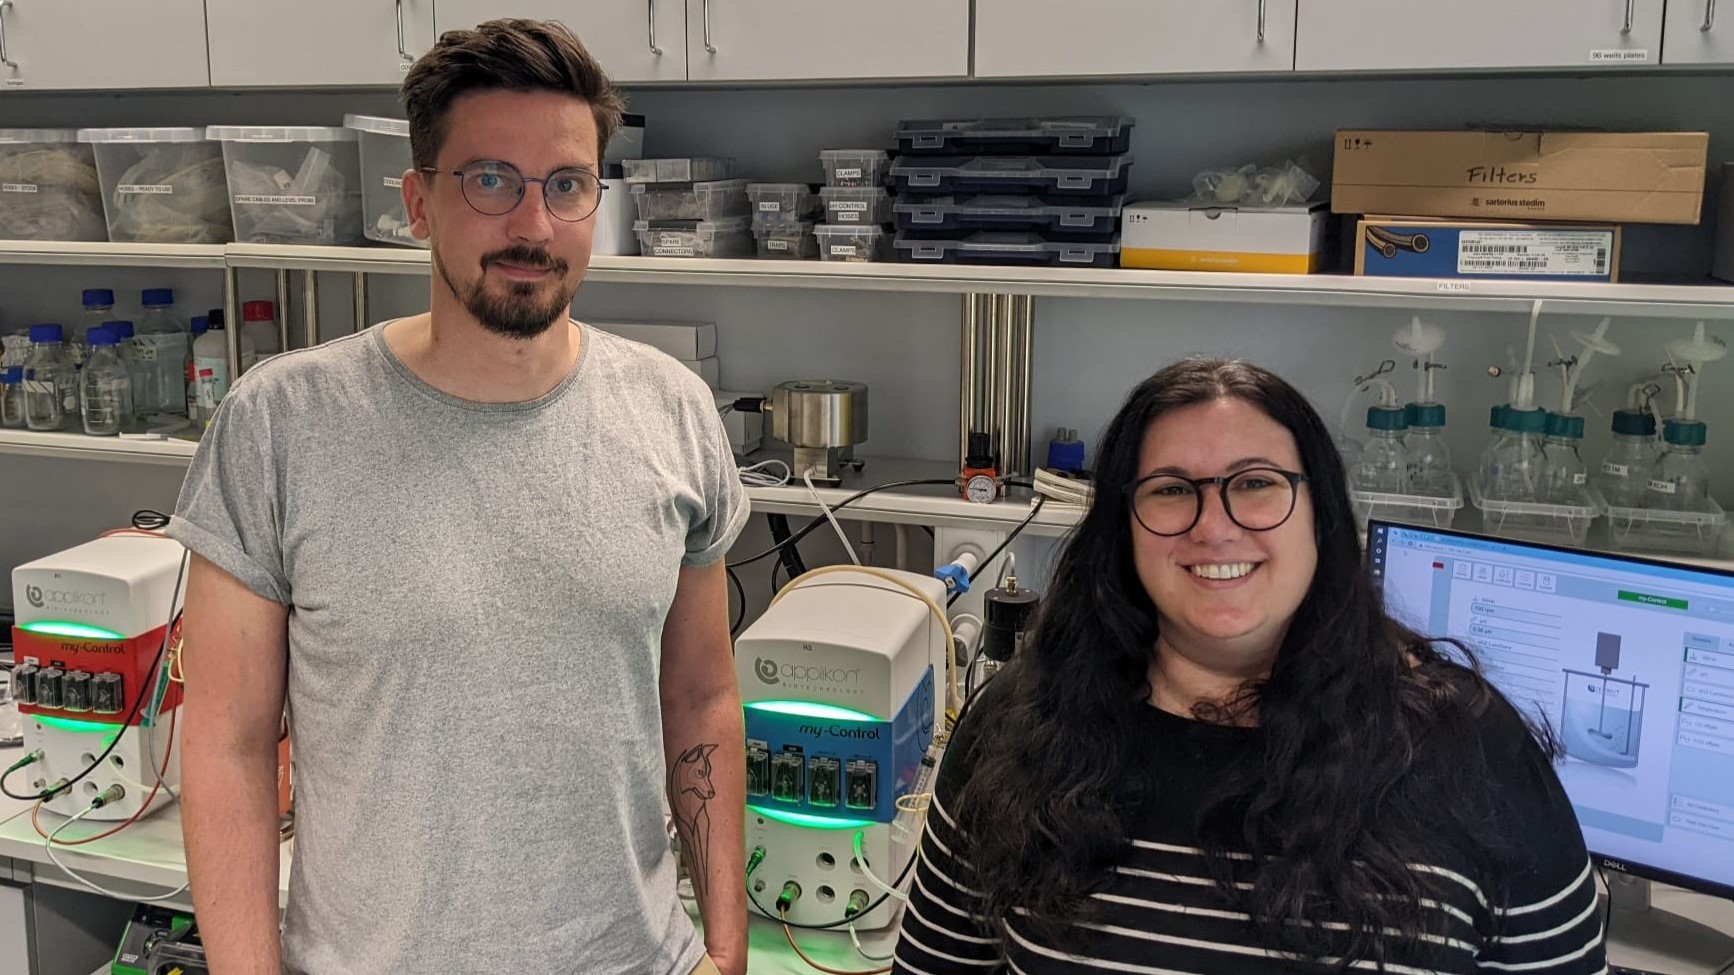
(690, 791)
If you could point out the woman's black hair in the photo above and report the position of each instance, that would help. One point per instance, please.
(1372, 759)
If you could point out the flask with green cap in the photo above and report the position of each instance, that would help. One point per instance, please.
(1564, 477)
(1429, 457)
(1680, 480)
(1625, 470)
(1515, 472)
(1383, 467)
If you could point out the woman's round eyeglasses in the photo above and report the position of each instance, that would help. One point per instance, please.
(1257, 499)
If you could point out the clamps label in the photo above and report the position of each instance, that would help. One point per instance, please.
(1562, 253)
(843, 250)
(776, 245)
(145, 189)
(851, 172)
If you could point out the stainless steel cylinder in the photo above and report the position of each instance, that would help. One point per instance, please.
(819, 413)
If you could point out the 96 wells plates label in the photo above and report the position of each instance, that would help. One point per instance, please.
(1564, 253)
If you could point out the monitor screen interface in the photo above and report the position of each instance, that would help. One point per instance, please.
(1630, 661)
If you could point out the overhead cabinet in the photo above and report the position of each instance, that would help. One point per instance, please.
(1698, 34)
(315, 42)
(65, 45)
(1029, 39)
(797, 40)
(1419, 35)
(635, 40)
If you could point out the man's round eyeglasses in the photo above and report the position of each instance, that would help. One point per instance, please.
(495, 188)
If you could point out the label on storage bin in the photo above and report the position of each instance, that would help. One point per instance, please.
(274, 200)
(394, 182)
(844, 250)
(1579, 478)
(851, 172)
(1615, 470)
(17, 187)
(848, 206)
(1610, 54)
(1662, 487)
(145, 189)
(776, 245)
(1566, 253)
(770, 206)
(670, 250)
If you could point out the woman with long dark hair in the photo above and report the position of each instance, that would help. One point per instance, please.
(1219, 754)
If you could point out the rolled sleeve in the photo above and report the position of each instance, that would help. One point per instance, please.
(229, 511)
(726, 505)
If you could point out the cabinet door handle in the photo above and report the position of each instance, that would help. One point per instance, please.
(653, 48)
(5, 58)
(1709, 16)
(707, 44)
(1261, 11)
(1631, 15)
(402, 51)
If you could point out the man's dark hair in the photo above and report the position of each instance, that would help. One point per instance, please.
(504, 55)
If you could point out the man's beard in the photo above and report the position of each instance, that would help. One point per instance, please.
(517, 314)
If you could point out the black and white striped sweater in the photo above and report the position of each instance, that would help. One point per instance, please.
(1162, 913)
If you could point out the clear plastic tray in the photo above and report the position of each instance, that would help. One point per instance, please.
(683, 169)
(854, 244)
(1059, 175)
(49, 188)
(1557, 524)
(865, 205)
(946, 214)
(854, 167)
(162, 186)
(385, 157)
(1672, 532)
(708, 200)
(1092, 135)
(1029, 250)
(293, 184)
(716, 238)
(782, 204)
(792, 243)
(1409, 509)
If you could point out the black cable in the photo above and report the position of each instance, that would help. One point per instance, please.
(1035, 509)
(144, 519)
(870, 908)
(820, 520)
(741, 593)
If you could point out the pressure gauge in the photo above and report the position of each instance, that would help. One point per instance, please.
(981, 489)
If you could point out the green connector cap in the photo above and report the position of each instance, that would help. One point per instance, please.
(1685, 433)
(1386, 418)
(1526, 421)
(1565, 426)
(1427, 414)
(1634, 423)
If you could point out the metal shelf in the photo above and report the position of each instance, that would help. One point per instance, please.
(77, 446)
(1701, 299)
(935, 506)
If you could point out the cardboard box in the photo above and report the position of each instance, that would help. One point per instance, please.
(1724, 266)
(1614, 177)
(1177, 236)
(746, 430)
(686, 341)
(1416, 247)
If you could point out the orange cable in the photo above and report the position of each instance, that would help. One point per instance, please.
(787, 933)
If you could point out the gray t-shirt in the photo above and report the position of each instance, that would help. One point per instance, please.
(477, 594)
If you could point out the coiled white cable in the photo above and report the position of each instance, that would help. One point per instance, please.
(756, 475)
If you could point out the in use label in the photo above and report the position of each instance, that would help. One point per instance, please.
(1559, 253)
(770, 206)
(145, 189)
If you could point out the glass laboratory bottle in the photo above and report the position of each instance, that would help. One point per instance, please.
(50, 381)
(1383, 467)
(12, 397)
(1429, 458)
(164, 348)
(106, 386)
(1488, 467)
(127, 349)
(1516, 471)
(98, 310)
(1679, 479)
(1625, 470)
(1564, 475)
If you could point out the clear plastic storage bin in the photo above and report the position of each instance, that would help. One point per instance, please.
(293, 184)
(949, 214)
(712, 200)
(854, 167)
(695, 238)
(685, 169)
(49, 189)
(782, 204)
(792, 243)
(1667, 532)
(844, 204)
(1409, 509)
(856, 244)
(1028, 250)
(1093, 135)
(385, 157)
(1556, 524)
(1062, 175)
(162, 186)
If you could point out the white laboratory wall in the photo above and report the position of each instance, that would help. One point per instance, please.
(1088, 352)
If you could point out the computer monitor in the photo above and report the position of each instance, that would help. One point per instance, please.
(1629, 660)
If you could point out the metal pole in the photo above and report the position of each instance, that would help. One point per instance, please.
(310, 305)
(232, 320)
(1026, 387)
(283, 310)
(991, 388)
(1007, 386)
(969, 378)
(361, 321)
